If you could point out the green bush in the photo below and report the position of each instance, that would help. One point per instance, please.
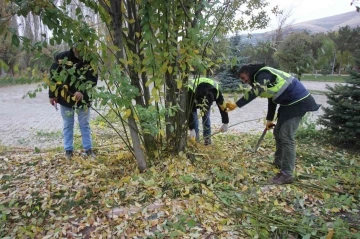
(342, 118)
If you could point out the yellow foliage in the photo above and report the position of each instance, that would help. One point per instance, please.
(127, 113)
(330, 233)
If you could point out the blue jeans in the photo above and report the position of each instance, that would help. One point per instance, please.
(206, 125)
(68, 128)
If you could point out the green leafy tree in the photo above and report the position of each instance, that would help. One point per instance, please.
(342, 118)
(346, 40)
(226, 73)
(262, 52)
(323, 49)
(145, 58)
(8, 52)
(345, 60)
(295, 54)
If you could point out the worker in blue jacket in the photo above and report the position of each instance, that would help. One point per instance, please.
(285, 90)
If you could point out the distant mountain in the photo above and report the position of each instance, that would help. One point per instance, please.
(332, 23)
(325, 24)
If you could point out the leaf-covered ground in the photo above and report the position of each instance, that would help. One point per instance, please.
(217, 191)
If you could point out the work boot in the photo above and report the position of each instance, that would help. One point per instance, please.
(69, 154)
(282, 178)
(89, 153)
(207, 141)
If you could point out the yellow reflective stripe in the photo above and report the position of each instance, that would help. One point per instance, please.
(283, 80)
(296, 101)
(288, 81)
(277, 72)
(194, 83)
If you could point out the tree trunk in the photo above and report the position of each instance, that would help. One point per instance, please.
(149, 140)
(182, 117)
(170, 96)
(115, 12)
(139, 154)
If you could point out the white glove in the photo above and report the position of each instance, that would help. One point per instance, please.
(192, 134)
(224, 128)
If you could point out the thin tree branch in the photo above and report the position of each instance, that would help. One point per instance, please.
(186, 13)
(105, 6)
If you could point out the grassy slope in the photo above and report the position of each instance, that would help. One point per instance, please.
(215, 191)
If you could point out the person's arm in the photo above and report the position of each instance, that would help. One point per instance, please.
(262, 80)
(271, 110)
(250, 96)
(220, 102)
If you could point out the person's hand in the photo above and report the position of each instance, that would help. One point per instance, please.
(192, 134)
(53, 101)
(78, 96)
(231, 106)
(269, 124)
(224, 128)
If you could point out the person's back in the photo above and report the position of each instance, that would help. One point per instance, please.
(202, 93)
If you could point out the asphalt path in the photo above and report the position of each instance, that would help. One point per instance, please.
(33, 122)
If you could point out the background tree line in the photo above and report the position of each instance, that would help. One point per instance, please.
(297, 52)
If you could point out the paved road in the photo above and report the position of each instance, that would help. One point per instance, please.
(31, 122)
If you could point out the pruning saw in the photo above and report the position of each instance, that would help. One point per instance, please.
(260, 140)
(262, 137)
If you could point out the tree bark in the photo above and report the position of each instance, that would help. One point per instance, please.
(116, 14)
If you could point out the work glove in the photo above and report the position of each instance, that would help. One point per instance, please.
(192, 134)
(224, 128)
(231, 106)
(269, 124)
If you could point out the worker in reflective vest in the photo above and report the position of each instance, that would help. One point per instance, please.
(202, 93)
(285, 90)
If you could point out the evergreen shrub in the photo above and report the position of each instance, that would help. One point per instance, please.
(342, 118)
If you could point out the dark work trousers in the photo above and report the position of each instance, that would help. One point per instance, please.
(285, 154)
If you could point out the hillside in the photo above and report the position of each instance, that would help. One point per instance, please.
(325, 24)
(332, 23)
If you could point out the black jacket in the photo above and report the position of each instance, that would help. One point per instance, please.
(195, 99)
(70, 76)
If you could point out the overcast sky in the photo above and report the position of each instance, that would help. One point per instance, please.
(305, 10)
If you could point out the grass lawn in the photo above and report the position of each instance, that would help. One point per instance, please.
(325, 78)
(6, 81)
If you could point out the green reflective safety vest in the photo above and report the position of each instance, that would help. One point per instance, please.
(283, 80)
(194, 83)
